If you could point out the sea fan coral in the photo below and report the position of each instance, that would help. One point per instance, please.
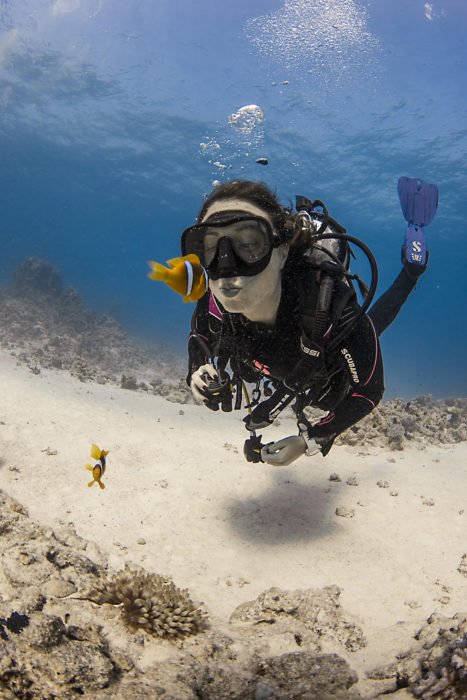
(151, 602)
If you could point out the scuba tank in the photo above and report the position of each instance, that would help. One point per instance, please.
(329, 254)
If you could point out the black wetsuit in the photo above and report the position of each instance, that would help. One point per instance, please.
(350, 384)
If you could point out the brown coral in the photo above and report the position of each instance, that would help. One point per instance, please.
(151, 602)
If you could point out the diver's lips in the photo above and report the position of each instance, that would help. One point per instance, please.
(230, 291)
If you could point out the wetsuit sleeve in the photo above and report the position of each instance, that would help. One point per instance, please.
(360, 355)
(384, 311)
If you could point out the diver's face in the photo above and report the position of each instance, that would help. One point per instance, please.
(253, 295)
(246, 295)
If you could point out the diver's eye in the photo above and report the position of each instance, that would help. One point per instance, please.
(210, 250)
(249, 249)
(252, 249)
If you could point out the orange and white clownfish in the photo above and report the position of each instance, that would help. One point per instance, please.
(185, 275)
(99, 468)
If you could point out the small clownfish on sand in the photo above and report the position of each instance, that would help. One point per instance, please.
(186, 276)
(99, 468)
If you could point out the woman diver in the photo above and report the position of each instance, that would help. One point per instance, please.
(281, 312)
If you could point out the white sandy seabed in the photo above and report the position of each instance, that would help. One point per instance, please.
(180, 500)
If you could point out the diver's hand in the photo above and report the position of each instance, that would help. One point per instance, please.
(198, 383)
(284, 452)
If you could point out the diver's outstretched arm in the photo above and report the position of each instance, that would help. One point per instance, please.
(384, 311)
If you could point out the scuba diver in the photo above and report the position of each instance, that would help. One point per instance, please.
(281, 312)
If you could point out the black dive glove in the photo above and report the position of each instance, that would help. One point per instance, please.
(218, 392)
(252, 449)
(326, 444)
(414, 270)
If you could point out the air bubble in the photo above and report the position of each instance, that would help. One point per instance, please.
(247, 119)
(327, 38)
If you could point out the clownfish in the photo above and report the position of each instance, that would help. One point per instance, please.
(99, 468)
(186, 276)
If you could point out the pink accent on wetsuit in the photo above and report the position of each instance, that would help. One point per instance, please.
(326, 419)
(213, 307)
(376, 357)
(360, 396)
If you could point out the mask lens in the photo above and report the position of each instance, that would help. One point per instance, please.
(251, 241)
(210, 241)
(193, 242)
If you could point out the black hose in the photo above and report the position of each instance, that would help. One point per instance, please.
(374, 280)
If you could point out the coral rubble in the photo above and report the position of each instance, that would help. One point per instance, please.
(436, 667)
(313, 617)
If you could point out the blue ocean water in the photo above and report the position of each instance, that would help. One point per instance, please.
(117, 115)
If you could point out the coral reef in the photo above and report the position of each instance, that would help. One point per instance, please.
(34, 276)
(149, 602)
(396, 423)
(284, 645)
(46, 325)
(436, 668)
(57, 645)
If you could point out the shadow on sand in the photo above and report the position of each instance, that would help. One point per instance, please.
(290, 511)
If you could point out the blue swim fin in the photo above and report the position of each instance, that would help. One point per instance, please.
(419, 202)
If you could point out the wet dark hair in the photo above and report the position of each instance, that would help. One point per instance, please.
(257, 193)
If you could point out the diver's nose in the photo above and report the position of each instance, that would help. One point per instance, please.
(226, 261)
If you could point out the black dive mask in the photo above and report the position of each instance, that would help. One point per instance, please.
(231, 244)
